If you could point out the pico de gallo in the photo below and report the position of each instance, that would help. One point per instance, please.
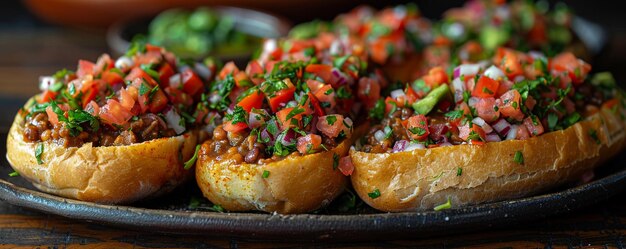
(146, 94)
(280, 104)
(515, 96)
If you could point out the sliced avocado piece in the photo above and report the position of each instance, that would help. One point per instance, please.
(425, 105)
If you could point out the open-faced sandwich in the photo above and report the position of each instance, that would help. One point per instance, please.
(521, 124)
(290, 119)
(114, 131)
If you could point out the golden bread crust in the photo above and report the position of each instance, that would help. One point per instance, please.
(423, 179)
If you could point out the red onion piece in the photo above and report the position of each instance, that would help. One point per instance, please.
(399, 146)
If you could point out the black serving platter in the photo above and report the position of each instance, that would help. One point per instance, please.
(186, 212)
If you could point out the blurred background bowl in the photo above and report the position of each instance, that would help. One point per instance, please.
(253, 24)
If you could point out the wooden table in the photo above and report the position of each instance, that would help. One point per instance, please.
(26, 54)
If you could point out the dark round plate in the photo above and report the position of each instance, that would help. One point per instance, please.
(173, 214)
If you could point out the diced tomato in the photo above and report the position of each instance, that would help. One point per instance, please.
(253, 100)
(437, 130)
(299, 45)
(104, 63)
(112, 78)
(533, 129)
(486, 108)
(379, 50)
(369, 91)
(435, 77)
(411, 95)
(309, 143)
(316, 105)
(229, 68)
(345, 166)
(485, 87)
(230, 127)
(322, 71)
(286, 122)
(46, 96)
(114, 113)
(192, 84)
(242, 80)
(390, 103)
(326, 94)
(200, 113)
(510, 105)
(255, 71)
(472, 132)
(280, 97)
(85, 68)
(89, 94)
(165, 72)
(126, 99)
(53, 118)
(509, 61)
(330, 125)
(154, 48)
(610, 104)
(505, 86)
(314, 85)
(138, 73)
(522, 133)
(158, 102)
(177, 96)
(93, 108)
(530, 102)
(576, 68)
(417, 127)
(149, 57)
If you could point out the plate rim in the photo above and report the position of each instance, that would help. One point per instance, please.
(321, 226)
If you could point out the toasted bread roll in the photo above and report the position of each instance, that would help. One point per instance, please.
(471, 174)
(112, 174)
(295, 184)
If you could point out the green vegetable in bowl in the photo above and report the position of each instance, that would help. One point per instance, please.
(198, 33)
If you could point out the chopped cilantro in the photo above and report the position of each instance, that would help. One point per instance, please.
(38, 152)
(193, 159)
(237, 116)
(378, 112)
(519, 157)
(14, 174)
(374, 194)
(331, 119)
(418, 131)
(266, 174)
(594, 135)
(459, 171)
(335, 160)
(446, 205)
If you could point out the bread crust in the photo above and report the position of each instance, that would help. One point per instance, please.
(423, 179)
(295, 184)
(111, 175)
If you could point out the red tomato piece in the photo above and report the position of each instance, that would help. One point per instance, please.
(138, 73)
(576, 68)
(280, 97)
(326, 94)
(53, 118)
(510, 105)
(287, 122)
(486, 108)
(345, 166)
(417, 127)
(330, 125)
(192, 84)
(85, 68)
(254, 100)
(369, 91)
(435, 77)
(309, 143)
(509, 61)
(112, 78)
(230, 127)
(165, 72)
(322, 71)
(229, 68)
(485, 87)
(255, 71)
(46, 96)
(533, 129)
(114, 113)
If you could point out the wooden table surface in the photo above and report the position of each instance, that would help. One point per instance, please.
(26, 54)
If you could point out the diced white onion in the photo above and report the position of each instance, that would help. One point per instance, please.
(466, 69)
(502, 127)
(444, 144)
(45, 82)
(173, 121)
(481, 122)
(123, 63)
(414, 146)
(512, 132)
(397, 93)
(175, 81)
(519, 78)
(494, 72)
(472, 101)
(203, 71)
(379, 135)
(493, 138)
